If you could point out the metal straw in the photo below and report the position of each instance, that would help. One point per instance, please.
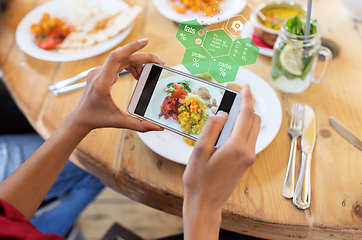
(307, 21)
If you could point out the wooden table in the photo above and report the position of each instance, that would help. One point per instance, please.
(121, 160)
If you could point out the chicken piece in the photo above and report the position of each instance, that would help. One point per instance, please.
(203, 93)
(169, 108)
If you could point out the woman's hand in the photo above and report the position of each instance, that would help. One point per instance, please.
(96, 107)
(212, 175)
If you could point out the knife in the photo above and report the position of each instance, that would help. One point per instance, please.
(346, 133)
(301, 197)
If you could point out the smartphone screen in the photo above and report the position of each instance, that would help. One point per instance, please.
(181, 102)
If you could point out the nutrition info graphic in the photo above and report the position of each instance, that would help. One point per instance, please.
(216, 52)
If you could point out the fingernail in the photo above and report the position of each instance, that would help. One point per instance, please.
(245, 88)
(161, 60)
(143, 40)
(222, 114)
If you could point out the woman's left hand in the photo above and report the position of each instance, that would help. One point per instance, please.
(96, 108)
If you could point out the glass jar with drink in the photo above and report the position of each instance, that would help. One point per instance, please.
(295, 56)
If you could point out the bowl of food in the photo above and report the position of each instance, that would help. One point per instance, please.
(275, 14)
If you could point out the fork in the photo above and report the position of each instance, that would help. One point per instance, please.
(295, 131)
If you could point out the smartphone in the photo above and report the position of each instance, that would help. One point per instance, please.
(182, 103)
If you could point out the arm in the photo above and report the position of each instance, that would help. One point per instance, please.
(212, 175)
(28, 185)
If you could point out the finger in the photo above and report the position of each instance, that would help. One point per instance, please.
(244, 119)
(93, 74)
(139, 59)
(205, 144)
(146, 126)
(254, 132)
(139, 69)
(135, 124)
(133, 71)
(111, 65)
(162, 61)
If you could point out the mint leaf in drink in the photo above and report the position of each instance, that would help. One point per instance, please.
(297, 26)
(308, 63)
(290, 23)
(313, 28)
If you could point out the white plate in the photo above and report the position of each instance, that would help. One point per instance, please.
(229, 8)
(267, 105)
(264, 51)
(25, 39)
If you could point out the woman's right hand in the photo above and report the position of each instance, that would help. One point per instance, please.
(212, 175)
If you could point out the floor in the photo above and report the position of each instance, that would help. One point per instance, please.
(110, 207)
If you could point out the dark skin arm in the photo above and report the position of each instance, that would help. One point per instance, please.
(26, 188)
(212, 175)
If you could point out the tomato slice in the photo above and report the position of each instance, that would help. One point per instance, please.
(180, 91)
(177, 94)
(177, 86)
(48, 43)
(44, 44)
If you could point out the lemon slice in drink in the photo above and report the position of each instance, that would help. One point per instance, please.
(291, 59)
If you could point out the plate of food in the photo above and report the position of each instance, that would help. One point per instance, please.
(207, 12)
(62, 31)
(266, 104)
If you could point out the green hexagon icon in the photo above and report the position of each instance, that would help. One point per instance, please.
(196, 60)
(217, 42)
(223, 69)
(244, 51)
(191, 33)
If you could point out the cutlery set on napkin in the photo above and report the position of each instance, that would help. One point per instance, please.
(303, 124)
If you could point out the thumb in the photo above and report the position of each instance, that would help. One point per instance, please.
(138, 125)
(211, 133)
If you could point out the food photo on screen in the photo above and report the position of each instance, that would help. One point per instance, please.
(183, 104)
